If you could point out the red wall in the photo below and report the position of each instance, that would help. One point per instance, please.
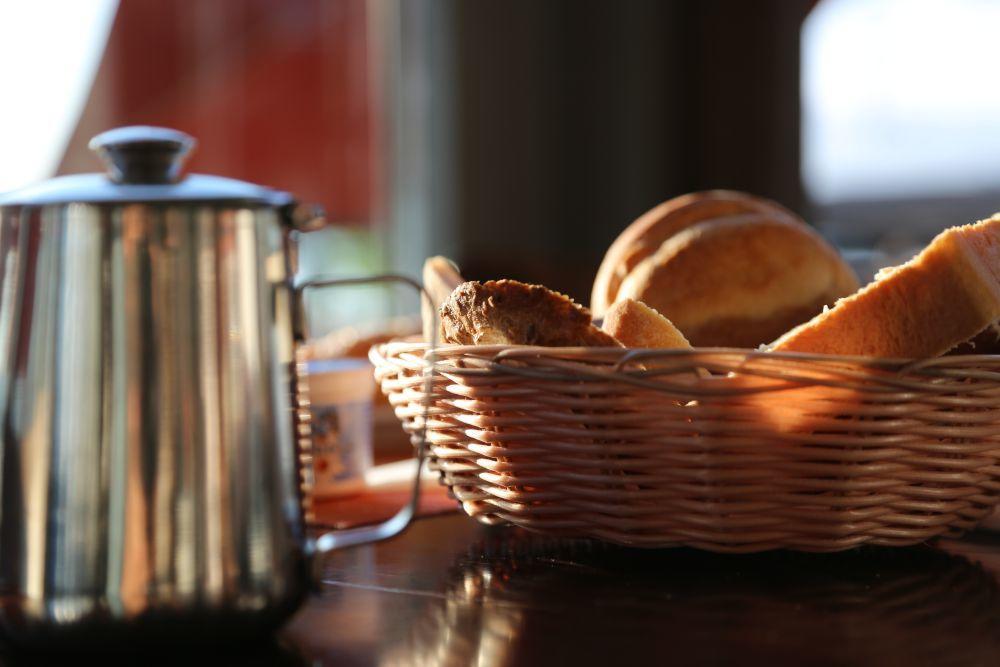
(276, 91)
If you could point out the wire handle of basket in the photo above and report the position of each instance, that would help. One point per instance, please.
(337, 539)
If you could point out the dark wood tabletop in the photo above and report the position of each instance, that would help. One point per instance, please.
(451, 592)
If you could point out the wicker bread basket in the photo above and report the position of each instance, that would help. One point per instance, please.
(724, 450)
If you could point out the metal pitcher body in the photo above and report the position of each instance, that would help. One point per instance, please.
(148, 465)
(149, 462)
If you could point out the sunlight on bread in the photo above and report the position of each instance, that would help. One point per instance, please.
(947, 294)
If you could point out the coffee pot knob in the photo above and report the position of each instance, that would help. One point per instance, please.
(141, 154)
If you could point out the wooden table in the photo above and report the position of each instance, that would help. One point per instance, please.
(451, 592)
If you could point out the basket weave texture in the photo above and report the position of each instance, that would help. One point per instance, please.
(724, 450)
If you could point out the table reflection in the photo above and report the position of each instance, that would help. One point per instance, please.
(267, 651)
(518, 600)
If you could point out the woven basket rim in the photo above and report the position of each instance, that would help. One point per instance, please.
(396, 346)
(633, 366)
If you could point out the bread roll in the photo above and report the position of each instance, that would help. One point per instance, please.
(634, 324)
(740, 281)
(945, 295)
(507, 312)
(642, 238)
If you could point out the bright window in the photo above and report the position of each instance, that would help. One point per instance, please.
(50, 53)
(900, 99)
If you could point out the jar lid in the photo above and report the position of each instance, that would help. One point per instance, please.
(143, 164)
(343, 380)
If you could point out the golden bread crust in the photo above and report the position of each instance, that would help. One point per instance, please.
(740, 281)
(942, 297)
(508, 312)
(634, 324)
(644, 236)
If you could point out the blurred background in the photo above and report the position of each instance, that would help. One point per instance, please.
(519, 137)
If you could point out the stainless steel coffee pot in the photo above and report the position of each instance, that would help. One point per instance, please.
(149, 475)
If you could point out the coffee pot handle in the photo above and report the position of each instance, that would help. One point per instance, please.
(348, 537)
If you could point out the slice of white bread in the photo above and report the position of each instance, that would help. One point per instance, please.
(945, 295)
(634, 324)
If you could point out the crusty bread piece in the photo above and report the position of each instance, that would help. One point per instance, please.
(508, 312)
(440, 277)
(740, 281)
(644, 236)
(634, 324)
(945, 295)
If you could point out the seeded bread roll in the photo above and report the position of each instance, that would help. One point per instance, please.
(942, 297)
(634, 324)
(644, 236)
(740, 281)
(508, 312)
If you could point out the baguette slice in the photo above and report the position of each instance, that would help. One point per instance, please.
(634, 324)
(441, 278)
(923, 308)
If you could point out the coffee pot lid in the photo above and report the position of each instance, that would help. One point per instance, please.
(143, 164)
